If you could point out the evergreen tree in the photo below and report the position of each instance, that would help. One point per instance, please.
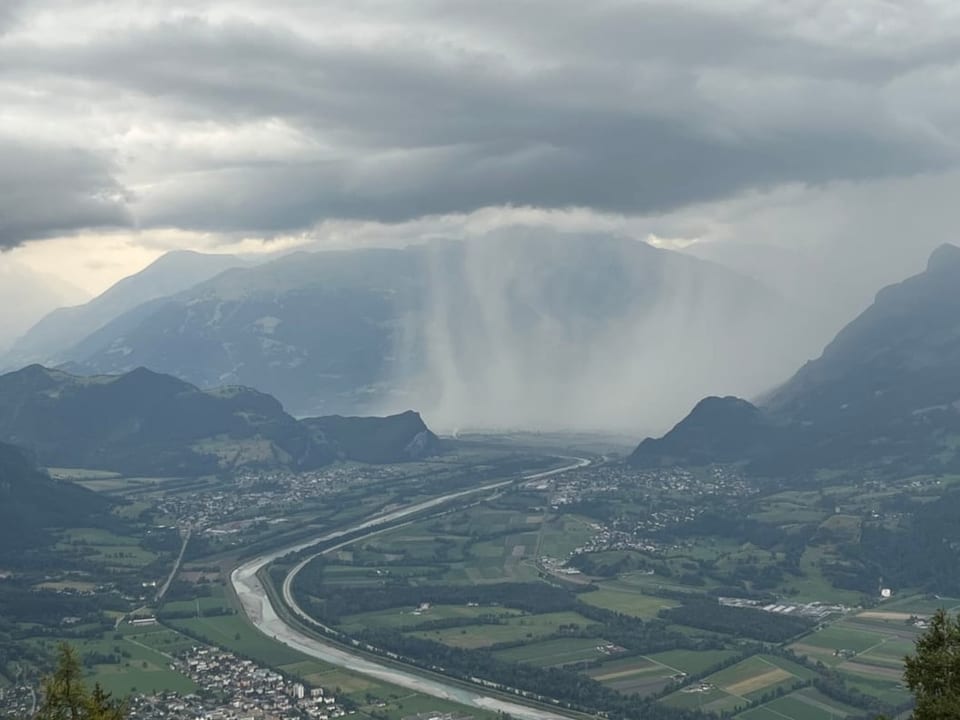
(933, 671)
(65, 696)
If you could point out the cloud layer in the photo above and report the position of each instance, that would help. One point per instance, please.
(255, 118)
(46, 190)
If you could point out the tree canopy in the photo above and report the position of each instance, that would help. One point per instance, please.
(65, 695)
(933, 671)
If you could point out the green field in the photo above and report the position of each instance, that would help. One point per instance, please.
(105, 548)
(191, 606)
(738, 685)
(400, 619)
(837, 637)
(754, 673)
(234, 633)
(689, 700)
(806, 704)
(555, 652)
(922, 604)
(308, 670)
(141, 667)
(886, 689)
(635, 675)
(692, 662)
(163, 640)
(561, 535)
(761, 713)
(627, 602)
(890, 654)
(516, 629)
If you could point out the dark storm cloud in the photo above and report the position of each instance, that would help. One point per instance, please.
(631, 108)
(46, 191)
(655, 167)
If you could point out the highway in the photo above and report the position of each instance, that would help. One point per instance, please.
(258, 607)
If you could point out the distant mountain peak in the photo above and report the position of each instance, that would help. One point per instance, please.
(716, 405)
(171, 273)
(945, 257)
(884, 393)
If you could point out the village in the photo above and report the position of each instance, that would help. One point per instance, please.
(671, 488)
(17, 702)
(614, 479)
(255, 497)
(231, 688)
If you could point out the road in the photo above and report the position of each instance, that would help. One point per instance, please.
(176, 567)
(578, 462)
(259, 609)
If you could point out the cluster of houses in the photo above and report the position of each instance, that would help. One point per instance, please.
(814, 610)
(17, 702)
(577, 485)
(231, 688)
(260, 496)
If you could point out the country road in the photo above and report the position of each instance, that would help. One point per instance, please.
(176, 566)
(259, 608)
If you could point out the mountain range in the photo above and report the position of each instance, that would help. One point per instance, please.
(143, 422)
(27, 296)
(66, 326)
(520, 329)
(885, 393)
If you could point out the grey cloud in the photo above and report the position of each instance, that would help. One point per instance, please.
(9, 12)
(760, 40)
(641, 166)
(46, 191)
(631, 108)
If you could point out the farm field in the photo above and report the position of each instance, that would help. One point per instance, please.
(233, 633)
(737, 686)
(139, 667)
(515, 629)
(806, 704)
(636, 675)
(692, 662)
(403, 618)
(163, 640)
(563, 534)
(921, 604)
(204, 604)
(374, 575)
(627, 602)
(104, 548)
(840, 638)
(552, 653)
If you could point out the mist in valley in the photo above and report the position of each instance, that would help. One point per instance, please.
(540, 330)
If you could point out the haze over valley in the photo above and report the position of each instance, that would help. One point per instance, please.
(518, 329)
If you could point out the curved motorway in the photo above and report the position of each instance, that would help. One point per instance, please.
(259, 608)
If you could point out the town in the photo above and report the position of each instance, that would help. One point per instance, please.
(232, 688)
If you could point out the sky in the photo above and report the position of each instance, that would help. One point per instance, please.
(813, 143)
